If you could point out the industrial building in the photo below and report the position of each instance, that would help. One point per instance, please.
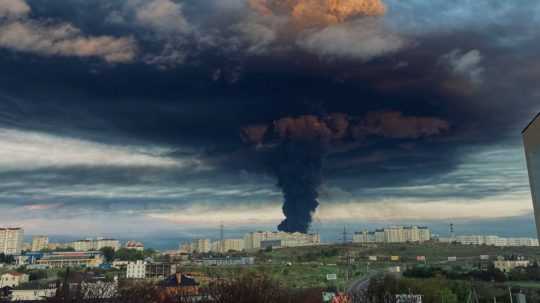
(531, 140)
(253, 240)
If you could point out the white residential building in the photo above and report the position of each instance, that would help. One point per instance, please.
(11, 240)
(13, 279)
(39, 243)
(136, 270)
(394, 234)
(253, 240)
(491, 240)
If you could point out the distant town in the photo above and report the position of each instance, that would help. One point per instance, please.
(35, 271)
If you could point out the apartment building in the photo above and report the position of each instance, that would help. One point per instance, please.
(227, 245)
(39, 243)
(201, 246)
(11, 240)
(394, 234)
(95, 244)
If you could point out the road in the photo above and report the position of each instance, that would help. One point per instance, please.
(361, 285)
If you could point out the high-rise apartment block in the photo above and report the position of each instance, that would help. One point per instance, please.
(11, 240)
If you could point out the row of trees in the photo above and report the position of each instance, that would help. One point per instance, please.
(530, 273)
(125, 254)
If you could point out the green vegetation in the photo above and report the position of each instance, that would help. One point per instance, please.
(8, 259)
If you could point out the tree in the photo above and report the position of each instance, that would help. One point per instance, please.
(108, 253)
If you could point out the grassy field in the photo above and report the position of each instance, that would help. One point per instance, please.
(305, 267)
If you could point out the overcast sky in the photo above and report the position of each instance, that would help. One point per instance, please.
(154, 115)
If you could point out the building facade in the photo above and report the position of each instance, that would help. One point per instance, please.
(72, 259)
(40, 243)
(394, 234)
(201, 246)
(491, 240)
(227, 245)
(136, 270)
(531, 140)
(134, 245)
(13, 279)
(11, 240)
(252, 240)
(95, 244)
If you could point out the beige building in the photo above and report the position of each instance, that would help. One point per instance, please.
(531, 140)
(252, 240)
(11, 240)
(40, 243)
(13, 279)
(228, 245)
(201, 245)
(97, 244)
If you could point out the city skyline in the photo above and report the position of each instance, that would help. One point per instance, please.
(171, 117)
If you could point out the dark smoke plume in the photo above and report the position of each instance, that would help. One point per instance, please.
(295, 148)
(298, 167)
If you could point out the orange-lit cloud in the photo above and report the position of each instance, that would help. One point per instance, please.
(319, 12)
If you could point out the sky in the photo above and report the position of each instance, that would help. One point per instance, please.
(161, 117)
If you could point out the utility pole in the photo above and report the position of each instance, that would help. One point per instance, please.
(344, 235)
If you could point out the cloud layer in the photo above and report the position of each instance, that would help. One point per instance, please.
(167, 110)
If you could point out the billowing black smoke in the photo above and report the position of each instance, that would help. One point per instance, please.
(294, 150)
(298, 168)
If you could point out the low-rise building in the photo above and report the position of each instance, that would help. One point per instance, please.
(134, 245)
(13, 279)
(33, 292)
(91, 259)
(508, 265)
(226, 261)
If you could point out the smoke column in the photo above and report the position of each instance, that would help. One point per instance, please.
(297, 166)
(294, 149)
